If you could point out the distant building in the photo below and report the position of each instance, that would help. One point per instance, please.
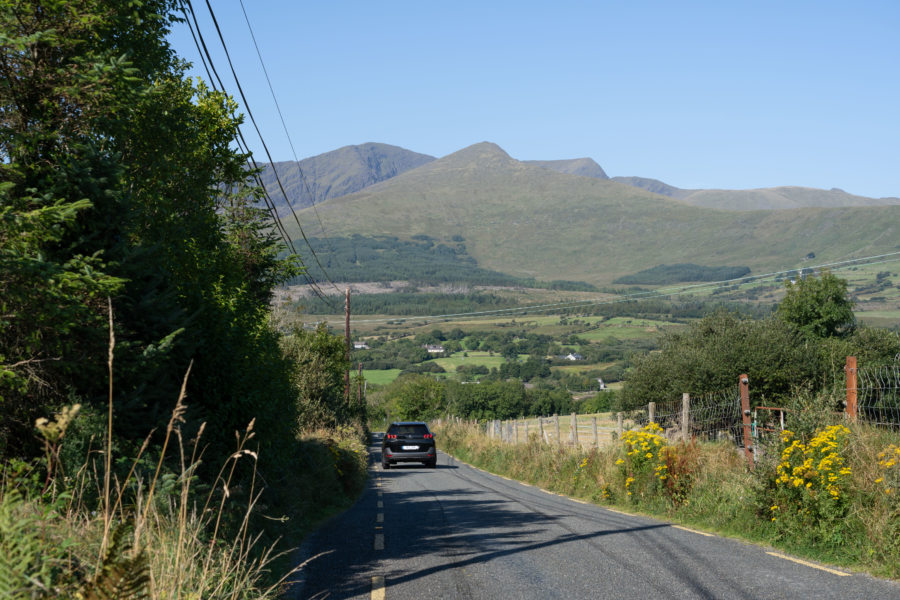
(360, 346)
(434, 349)
(574, 356)
(601, 385)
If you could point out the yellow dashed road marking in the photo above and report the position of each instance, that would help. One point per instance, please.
(809, 564)
(378, 588)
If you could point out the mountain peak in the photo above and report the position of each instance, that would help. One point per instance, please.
(482, 153)
(586, 167)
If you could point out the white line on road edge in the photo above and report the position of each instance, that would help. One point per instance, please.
(377, 588)
(693, 531)
(379, 518)
(809, 564)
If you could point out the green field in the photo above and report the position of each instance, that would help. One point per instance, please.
(382, 376)
(474, 359)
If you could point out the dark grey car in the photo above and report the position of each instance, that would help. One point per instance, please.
(408, 441)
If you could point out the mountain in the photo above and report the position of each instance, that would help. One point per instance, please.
(529, 221)
(776, 198)
(337, 173)
(585, 167)
(656, 186)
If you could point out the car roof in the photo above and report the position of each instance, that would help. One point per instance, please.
(409, 423)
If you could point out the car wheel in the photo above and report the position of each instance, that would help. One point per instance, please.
(385, 465)
(432, 464)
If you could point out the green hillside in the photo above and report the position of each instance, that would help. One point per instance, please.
(529, 221)
(776, 198)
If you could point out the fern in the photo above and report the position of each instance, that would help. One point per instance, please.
(123, 575)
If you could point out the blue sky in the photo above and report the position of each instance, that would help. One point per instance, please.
(733, 95)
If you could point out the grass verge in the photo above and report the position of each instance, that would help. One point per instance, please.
(830, 494)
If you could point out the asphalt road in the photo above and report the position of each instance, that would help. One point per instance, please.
(457, 532)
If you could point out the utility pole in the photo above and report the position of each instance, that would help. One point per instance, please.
(347, 344)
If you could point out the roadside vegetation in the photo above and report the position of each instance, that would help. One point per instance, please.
(158, 437)
(825, 487)
(826, 490)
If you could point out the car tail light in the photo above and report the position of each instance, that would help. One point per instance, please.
(392, 436)
(429, 436)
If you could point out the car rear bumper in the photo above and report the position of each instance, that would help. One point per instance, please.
(409, 456)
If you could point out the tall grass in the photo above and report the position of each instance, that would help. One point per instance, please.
(845, 510)
(140, 539)
(163, 533)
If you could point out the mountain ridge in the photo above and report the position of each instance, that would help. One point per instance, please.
(529, 221)
(350, 169)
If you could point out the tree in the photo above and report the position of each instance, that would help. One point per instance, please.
(318, 364)
(819, 306)
(416, 398)
(711, 353)
(119, 180)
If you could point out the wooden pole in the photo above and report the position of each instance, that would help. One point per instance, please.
(594, 429)
(574, 435)
(651, 409)
(348, 346)
(686, 418)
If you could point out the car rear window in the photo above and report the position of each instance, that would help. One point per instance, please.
(408, 429)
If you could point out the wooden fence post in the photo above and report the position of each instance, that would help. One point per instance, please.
(651, 409)
(541, 426)
(850, 370)
(619, 425)
(594, 429)
(686, 418)
(526, 430)
(744, 383)
(556, 429)
(516, 430)
(574, 435)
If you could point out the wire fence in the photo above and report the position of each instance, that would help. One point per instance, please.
(707, 417)
(878, 395)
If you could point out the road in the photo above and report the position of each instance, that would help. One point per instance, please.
(458, 532)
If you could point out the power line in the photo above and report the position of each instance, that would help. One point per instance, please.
(287, 134)
(262, 140)
(186, 6)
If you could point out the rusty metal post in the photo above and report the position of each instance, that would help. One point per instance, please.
(851, 371)
(744, 383)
